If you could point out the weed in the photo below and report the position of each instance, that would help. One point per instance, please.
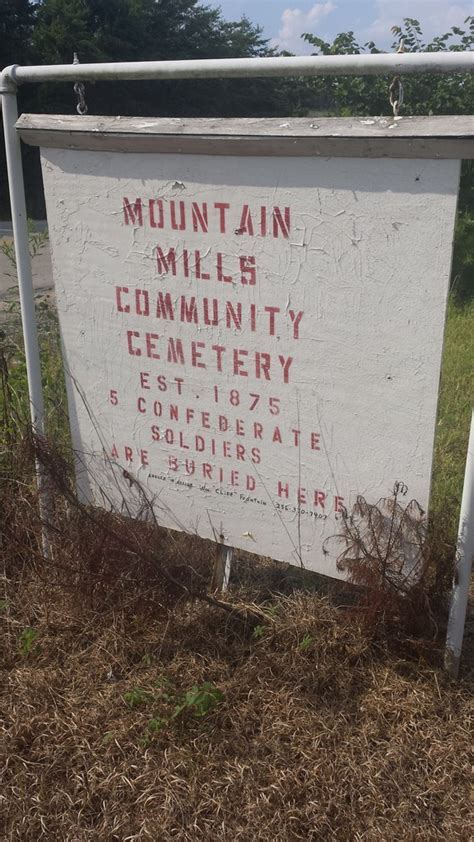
(199, 700)
(27, 642)
(147, 660)
(306, 642)
(137, 696)
(156, 724)
(37, 241)
(258, 632)
(388, 552)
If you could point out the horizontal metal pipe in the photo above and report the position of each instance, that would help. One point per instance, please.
(341, 65)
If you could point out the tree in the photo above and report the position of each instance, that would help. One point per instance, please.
(141, 30)
(424, 94)
(17, 18)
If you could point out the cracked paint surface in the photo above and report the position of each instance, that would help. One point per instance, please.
(365, 261)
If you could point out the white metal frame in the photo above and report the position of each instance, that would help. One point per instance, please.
(347, 65)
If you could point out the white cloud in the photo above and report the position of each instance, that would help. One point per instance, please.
(436, 17)
(295, 21)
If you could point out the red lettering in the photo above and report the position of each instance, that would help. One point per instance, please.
(220, 350)
(164, 306)
(262, 365)
(142, 302)
(215, 312)
(232, 316)
(175, 351)
(246, 224)
(196, 355)
(131, 350)
(257, 430)
(222, 207)
(181, 225)
(132, 214)
(319, 499)
(238, 362)
(271, 318)
(280, 223)
(285, 363)
(150, 341)
(220, 272)
(339, 504)
(163, 263)
(248, 272)
(189, 311)
(122, 308)
(151, 213)
(295, 319)
(199, 216)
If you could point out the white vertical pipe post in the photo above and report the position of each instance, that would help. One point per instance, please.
(25, 285)
(228, 553)
(464, 557)
(222, 567)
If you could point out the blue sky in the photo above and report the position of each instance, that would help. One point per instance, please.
(283, 21)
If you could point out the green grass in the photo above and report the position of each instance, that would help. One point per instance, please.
(454, 413)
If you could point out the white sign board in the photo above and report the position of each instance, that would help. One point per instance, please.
(256, 340)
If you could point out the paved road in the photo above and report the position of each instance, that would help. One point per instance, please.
(41, 266)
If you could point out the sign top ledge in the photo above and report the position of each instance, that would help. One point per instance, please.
(373, 137)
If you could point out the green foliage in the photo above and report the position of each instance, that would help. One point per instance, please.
(454, 414)
(17, 18)
(199, 700)
(258, 632)
(171, 706)
(14, 404)
(463, 258)
(424, 93)
(27, 642)
(37, 241)
(136, 697)
(306, 643)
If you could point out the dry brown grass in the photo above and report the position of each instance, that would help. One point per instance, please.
(325, 730)
(321, 735)
(335, 742)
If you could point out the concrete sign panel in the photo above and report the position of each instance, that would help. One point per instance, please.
(253, 341)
